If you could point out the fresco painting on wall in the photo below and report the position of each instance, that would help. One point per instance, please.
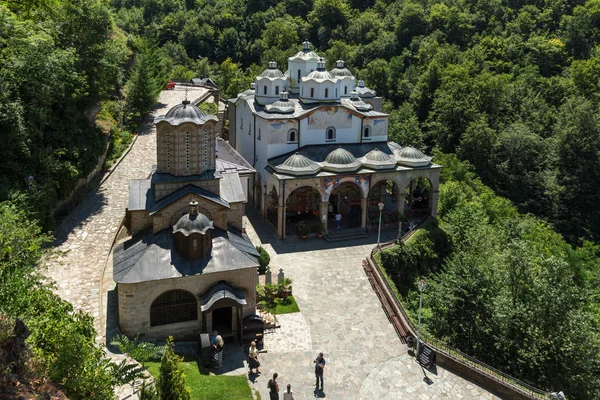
(278, 132)
(380, 127)
(328, 185)
(322, 119)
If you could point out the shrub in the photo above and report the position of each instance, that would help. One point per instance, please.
(263, 259)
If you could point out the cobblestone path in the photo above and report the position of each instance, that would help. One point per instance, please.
(88, 233)
(365, 358)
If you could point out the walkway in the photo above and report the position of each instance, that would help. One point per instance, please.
(88, 233)
(365, 358)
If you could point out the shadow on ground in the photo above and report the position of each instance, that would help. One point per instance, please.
(92, 204)
(293, 244)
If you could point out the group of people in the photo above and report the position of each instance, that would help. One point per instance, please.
(273, 385)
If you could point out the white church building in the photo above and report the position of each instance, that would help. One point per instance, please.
(319, 143)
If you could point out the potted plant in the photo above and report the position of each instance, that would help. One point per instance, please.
(320, 231)
(302, 229)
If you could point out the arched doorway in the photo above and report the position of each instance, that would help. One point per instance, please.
(386, 192)
(345, 199)
(417, 202)
(302, 211)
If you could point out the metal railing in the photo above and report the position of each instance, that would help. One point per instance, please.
(436, 344)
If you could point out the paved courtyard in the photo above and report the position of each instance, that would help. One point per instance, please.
(365, 358)
(340, 314)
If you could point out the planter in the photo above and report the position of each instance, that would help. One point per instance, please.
(319, 235)
(303, 236)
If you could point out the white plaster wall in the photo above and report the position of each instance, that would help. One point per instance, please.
(379, 128)
(319, 91)
(262, 144)
(278, 133)
(304, 66)
(313, 127)
(244, 142)
(270, 97)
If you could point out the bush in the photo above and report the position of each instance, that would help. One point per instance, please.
(263, 259)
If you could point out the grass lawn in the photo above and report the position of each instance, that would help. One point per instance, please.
(206, 387)
(286, 306)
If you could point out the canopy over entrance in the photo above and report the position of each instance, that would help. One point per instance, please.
(221, 295)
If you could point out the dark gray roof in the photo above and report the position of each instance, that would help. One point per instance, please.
(150, 257)
(141, 195)
(219, 292)
(185, 112)
(193, 223)
(231, 188)
(229, 160)
(204, 82)
(181, 192)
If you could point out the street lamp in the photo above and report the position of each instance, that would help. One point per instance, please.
(421, 285)
(380, 205)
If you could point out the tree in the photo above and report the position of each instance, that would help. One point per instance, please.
(171, 382)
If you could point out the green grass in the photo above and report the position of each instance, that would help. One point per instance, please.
(286, 306)
(206, 387)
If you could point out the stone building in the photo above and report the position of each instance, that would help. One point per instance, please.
(319, 143)
(188, 267)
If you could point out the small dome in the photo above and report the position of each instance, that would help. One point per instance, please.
(272, 72)
(340, 156)
(281, 106)
(410, 153)
(194, 222)
(306, 53)
(394, 146)
(186, 112)
(340, 70)
(377, 155)
(298, 164)
(249, 92)
(320, 73)
(364, 91)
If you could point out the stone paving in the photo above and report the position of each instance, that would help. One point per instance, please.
(88, 233)
(365, 358)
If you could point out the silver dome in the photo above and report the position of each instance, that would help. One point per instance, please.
(193, 223)
(298, 164)
(186, 112)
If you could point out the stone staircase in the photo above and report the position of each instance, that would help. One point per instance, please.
(341, 235)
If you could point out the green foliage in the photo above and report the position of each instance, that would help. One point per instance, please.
(171, 382)
(142, 352)
(263, 259)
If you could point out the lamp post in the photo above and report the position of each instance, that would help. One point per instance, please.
(421, 285)
(380, 205)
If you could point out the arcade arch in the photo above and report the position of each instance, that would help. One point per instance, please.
(303, 210)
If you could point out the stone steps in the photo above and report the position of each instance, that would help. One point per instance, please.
(340, 235)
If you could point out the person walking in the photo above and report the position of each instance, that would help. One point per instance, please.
(288, 394)
(218, 344)
(319, 367)
(253, 362)
(273, 387)
(338, 220)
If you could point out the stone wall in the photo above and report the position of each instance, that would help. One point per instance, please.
(169, 215)
(137, 221)
(236, 215)
(135, 300)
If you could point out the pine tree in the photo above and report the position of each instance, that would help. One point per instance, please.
(171, 382)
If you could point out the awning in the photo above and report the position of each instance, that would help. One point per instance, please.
(222, 295)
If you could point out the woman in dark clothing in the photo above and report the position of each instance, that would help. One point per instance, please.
(273, 387)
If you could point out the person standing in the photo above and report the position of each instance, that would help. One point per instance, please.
(319, 367)
(218, 344)
(253, 360)
(338, 220)
(288, 394)
(273, 387)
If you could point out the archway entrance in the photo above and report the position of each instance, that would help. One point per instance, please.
(345, 199)
(386, 192)
(222, 319)
(417, 206)
(302, 211)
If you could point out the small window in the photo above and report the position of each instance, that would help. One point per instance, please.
(265, 90)
(242, 124)
(367, 132)
(330, 134)
(312, 92)
(299, 75)
(292, 136)
(258, 133)
(345, 89)
(335, 92)
(326, 93)
(276, 89)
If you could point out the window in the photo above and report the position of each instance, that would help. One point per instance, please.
(345, 89)
(312, 92)
(258, 133)
(335, 92)
(299, 75)
(249, 128)
(172, 307)
(326, 93)
(367, 132)
(292, 136)
(330, 135)
(187, 150)
(276, 89)
(242, 124)
(265, 90)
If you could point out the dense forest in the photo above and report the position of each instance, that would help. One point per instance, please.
(505, 92)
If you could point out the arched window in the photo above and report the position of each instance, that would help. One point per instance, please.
(172, 307)
(367, 132)
(330, 134)
(292, 136)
